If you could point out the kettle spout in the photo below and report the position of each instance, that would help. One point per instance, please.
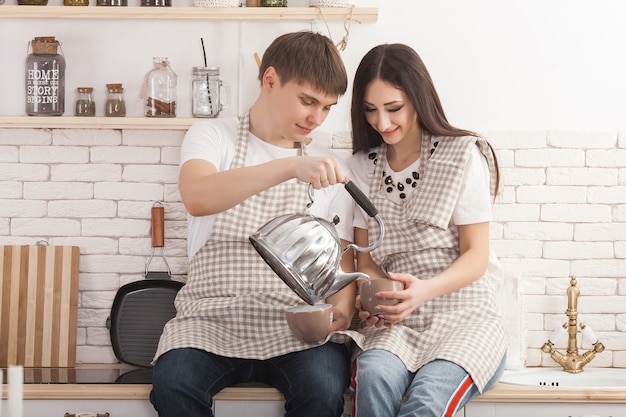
(342, 279)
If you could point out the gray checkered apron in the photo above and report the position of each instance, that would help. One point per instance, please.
(233, 303)
(464, 327)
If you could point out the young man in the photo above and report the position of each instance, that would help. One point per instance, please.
(236, 175)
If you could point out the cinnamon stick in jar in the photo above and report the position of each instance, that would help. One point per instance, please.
(160, 108)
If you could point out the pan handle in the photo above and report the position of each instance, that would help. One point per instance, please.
(158, 225)
(158, 235)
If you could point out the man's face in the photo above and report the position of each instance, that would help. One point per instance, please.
(297, 109)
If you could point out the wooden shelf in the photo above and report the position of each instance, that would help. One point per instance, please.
(361, 15)
(71, 122)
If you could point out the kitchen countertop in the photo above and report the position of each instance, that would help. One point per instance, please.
(140, 391)
(499, 393)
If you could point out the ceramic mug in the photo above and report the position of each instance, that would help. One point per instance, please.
(368, 291)
(310, 323)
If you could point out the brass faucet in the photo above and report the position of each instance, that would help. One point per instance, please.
(572, 361)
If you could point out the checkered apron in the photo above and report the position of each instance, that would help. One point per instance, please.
(233, 303)
(464, 327)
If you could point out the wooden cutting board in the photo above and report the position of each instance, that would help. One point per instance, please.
(38, 305)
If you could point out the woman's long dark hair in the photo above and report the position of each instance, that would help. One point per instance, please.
(401, 66)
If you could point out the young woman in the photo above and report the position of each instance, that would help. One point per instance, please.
(434, 184)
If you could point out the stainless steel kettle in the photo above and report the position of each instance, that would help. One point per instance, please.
(305, 251)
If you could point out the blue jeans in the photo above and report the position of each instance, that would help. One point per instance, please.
(313, 381)
(383, 387)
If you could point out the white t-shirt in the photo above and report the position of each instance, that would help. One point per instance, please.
(214, 141)
(474, 203)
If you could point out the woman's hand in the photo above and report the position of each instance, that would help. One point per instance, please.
(415, 293)
(370, 320)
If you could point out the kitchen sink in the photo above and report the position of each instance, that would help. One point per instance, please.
(557, 378)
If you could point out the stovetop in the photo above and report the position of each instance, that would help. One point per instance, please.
(122, 375)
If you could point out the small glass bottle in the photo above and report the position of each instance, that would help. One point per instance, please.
(111, 2)
(160, 90)
(83, 103)
(45, 78)
(75, 2)
(151, 3)
(115, 105)
(273, 3)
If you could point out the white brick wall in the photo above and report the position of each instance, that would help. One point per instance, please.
(561, 212)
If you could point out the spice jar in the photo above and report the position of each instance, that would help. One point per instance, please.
(111, 2)
(32, 2)
(159, 89)
(166, 3)
(83, 103)
(75, 2)
(45, 78)
(273, 3)
(115, 105)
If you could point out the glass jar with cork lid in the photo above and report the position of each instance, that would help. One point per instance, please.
(159, 89)
(115, 104)
(152, 3)
(45, 78)
(111, 2)
(273, 3)
(84, 106)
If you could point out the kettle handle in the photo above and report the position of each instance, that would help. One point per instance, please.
(360, 197)
(366, 204)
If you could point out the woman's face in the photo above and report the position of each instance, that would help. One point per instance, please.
(388, 110)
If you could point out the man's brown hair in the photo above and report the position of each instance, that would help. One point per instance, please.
(307, 57)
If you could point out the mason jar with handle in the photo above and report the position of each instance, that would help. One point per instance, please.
(209, 94)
